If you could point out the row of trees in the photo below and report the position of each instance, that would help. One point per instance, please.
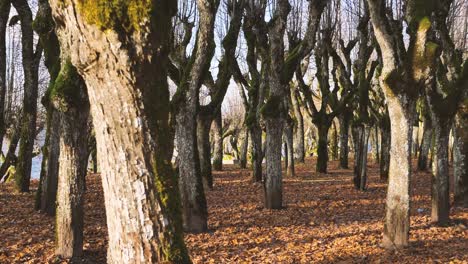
(368, 64)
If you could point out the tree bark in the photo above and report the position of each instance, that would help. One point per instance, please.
(397, 224)
(344, 139)
(30, 68)
(440, 172)
(460, 170)
(322, 148)
(125, 70)
(204, 148)
(425, 144)
(218, 142)
(334, 142)
(376, 145)
(273, 184)
(385, 150)
(360, 171)
(244, 148)
(257, 153)
(73, 165)
(299, 146)
(289, 136)
(5, 7)
(50, 181)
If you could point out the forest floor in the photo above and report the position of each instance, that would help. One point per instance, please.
(325, 220)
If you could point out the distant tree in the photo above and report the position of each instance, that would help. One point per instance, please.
(31, 58)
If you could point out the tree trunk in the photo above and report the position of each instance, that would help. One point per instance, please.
(460, 170)
(257, 153)
(334, 142)
(244, 148)
(273, 184)
(385, 152)
(204, 149)
(4, 15)
(72, 173)
(192, 193)
(440, 172)
(360, 171)
(322, 148)
(129, 98)
(344, 138)
(289, 136)
(425, 144)
(28, 127)
(218, 142)
(397, 218)
(376, 145)
(299, 146)
(50, 181)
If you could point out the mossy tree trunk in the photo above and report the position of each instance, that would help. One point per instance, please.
(444, 95)
(30, 60)
(127, 84)
(334, 142)
(403, 74)
(70, 99)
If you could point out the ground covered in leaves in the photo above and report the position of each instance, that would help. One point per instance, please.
(325, 220)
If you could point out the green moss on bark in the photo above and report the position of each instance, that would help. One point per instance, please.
(272, 107)
(68, 89)
(128, 15)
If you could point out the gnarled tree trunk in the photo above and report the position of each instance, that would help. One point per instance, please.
(125, 70)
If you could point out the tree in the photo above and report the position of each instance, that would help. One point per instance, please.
(125, 69)
(185, 106)
(31, 60)
(47, 190)
(402, 77)
(444, 93)
(218, 89)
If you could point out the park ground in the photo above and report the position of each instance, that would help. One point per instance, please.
(325, 220)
